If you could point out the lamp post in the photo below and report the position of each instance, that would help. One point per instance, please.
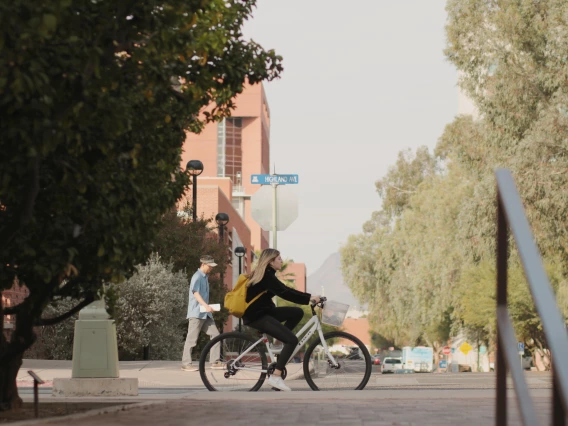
(195, 168)
(240, 252)
(222, 219)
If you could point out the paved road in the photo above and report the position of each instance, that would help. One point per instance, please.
(171, 397)
(354, 408)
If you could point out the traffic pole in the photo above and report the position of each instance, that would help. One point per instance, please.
(274, 210)
(274, 217)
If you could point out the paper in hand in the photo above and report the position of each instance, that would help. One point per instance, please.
(216, 307)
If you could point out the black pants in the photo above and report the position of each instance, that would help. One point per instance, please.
(271, 324)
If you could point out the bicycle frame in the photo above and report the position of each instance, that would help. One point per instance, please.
(307, 331)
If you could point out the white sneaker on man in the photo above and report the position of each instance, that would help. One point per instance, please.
(189, 368)
(217, 365)
(278, 383)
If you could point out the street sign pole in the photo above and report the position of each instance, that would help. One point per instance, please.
(274, 218)
(274, 215)
(274, 210)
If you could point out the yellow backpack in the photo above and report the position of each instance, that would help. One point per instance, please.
(236, 299)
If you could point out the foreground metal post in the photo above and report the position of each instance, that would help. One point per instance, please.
(37, 381)
(511, 216)
(502, 252)
(558, 414)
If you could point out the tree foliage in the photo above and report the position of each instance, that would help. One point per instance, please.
(425, 258)
(150, 307)
(96, 97)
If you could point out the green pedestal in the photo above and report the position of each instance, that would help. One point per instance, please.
(95, 352)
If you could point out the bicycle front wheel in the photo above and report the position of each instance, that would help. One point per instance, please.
(352, 368)
(235, 372)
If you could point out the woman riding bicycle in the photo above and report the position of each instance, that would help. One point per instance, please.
(264, 316)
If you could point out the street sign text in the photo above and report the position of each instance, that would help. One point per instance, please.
(270, 179)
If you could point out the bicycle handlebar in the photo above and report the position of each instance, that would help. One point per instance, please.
(321, 304)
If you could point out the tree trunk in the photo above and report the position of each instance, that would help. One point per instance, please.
(437, 348)
(11, 355)
(9, 397)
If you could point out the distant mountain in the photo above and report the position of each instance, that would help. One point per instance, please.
(330, 277)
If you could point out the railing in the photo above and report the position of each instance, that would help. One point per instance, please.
(510, 214)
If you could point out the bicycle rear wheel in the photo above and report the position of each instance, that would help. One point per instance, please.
(353, 368)
(242, 375)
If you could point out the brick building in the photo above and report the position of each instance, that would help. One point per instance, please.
(233, 150)
(296, 273)
(359, 327)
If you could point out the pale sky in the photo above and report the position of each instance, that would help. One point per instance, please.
(362, 81)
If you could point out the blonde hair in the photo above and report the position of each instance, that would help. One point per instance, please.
(267, 256)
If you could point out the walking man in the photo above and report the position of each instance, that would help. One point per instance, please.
(198, 320)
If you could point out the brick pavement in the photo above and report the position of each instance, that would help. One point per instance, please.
(271, 408)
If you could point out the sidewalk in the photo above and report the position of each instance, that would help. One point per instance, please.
(150, 374)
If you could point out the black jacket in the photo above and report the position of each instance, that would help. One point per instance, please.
(273, 287)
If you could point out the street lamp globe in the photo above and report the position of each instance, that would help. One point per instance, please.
(194, 167)
(240, 251)
(222, 219)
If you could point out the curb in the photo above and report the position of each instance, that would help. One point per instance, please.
(89, 413)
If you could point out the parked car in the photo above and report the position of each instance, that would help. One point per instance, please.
(376, 360)
(390, 365)
(354, 353)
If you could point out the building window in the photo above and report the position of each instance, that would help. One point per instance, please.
(233, 148)
(221, 148)
(229, 149)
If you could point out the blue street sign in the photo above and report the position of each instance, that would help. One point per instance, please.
(521, 347)
(278, 179)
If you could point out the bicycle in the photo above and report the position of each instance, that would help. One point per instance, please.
(328, 362)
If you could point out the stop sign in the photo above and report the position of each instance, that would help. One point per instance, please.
(287, 207)
(447, 350)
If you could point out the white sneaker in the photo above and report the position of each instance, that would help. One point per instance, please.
(189, 368)
(278, 383)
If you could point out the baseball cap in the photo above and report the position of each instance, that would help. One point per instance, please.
(208, 260)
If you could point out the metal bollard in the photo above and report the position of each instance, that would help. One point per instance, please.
(37, 381)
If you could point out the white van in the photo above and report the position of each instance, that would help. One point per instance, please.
(390, 365)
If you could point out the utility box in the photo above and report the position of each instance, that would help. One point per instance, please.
(95, 351)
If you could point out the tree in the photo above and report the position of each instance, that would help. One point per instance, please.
(511, 55)
(512, 59)
(403, 178)
(96, 98)
(422, 260)
(149, 310)
(396, 264)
